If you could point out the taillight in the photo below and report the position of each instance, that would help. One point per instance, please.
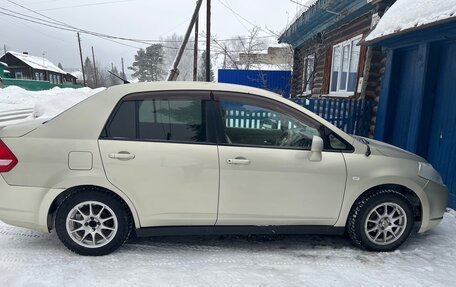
(7, 158)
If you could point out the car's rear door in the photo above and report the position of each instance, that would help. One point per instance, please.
(158, 148)
(266, 175)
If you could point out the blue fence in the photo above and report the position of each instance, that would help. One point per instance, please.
(353, 116)
(350, 115)
(274, 81)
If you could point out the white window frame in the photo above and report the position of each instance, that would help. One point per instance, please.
(339, 92)
(306, 90)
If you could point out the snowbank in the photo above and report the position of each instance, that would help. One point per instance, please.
(44, 103)
(408, 14)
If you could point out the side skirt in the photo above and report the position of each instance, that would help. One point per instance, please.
(238, 230)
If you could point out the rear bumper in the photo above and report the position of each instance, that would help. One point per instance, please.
(20, 206)
(437, 197)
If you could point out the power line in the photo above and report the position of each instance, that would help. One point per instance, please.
(242, 17)
(85, 5)
(56, 24)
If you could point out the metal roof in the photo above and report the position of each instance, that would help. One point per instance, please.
(324, 15)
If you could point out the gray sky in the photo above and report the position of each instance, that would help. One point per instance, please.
(141, 19)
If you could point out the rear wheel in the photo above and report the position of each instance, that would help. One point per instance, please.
(92, 222)
(381, 221)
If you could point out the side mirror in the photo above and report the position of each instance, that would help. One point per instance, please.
(316, 149)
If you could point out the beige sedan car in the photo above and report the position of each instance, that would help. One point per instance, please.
(199, 158)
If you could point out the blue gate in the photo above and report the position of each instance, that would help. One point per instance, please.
(418, 102)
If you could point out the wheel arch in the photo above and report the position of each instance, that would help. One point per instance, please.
(60, 197)
(413, 192)
(411, 195)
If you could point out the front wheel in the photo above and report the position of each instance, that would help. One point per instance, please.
(92, 222)
(382, 221)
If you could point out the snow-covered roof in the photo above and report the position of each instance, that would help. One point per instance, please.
(76, 74)
(280, 45)
(38, 63)
(306, 5)
(409, 14)
(4, 64)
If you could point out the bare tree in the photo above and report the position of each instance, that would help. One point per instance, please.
(171, 45)
(240, 52)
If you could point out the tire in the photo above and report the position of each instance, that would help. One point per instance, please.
(370, 228)
(92, 222)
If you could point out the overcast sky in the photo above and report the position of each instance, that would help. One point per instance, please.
(139, 19)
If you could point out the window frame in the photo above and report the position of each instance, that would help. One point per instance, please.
(339, 92)
(325, 131)
(207, 116)
(306, 90)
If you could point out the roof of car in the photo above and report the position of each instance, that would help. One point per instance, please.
(205, 86)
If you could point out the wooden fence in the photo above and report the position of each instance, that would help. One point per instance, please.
(350, 115)
(353, 116)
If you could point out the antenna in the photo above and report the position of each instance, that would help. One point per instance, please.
(119, 77)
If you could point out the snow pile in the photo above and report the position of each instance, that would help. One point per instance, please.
(39, 259)
(408, 14)
(45, 104)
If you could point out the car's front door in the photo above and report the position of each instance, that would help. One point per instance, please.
(266, 175)
(157, 148)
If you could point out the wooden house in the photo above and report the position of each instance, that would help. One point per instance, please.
(27, 67)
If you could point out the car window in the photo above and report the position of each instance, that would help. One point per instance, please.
(180, 120)
(172, 120)
(123, 124)
(259, 124)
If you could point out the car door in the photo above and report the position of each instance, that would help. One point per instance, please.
(266, 175)
(157, 148)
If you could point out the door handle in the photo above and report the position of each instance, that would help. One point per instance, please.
(238, 161)
(122, 155)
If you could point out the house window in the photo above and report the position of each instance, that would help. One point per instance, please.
(308, 76)
(344, 68)
(18, 75)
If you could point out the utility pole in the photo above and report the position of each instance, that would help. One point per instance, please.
(82, 62)
(208, 42)
(195, 52)
(174, 72)
(224, 57)
(123, 70)
(95, 69)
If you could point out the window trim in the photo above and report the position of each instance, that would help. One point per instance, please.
(339, 92)
(306, 90)
(207, 118)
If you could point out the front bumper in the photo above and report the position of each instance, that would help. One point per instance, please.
(437, 201)
(20, 205)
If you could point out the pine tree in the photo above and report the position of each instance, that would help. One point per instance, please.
(202, 69)
(149, 64)
(89, 73)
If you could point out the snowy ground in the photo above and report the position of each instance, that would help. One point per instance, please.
(28, 258)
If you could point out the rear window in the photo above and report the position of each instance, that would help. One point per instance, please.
(180, 120)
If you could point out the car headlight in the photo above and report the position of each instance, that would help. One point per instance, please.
(428, 172)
